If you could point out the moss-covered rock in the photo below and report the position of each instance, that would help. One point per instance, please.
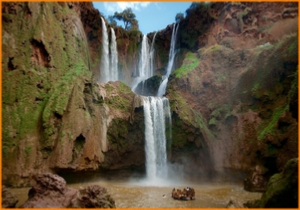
(149, 87)
(282, 189)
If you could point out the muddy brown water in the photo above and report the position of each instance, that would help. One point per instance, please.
(139, 194)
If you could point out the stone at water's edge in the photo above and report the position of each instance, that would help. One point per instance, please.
(51, 191)
(282, 189)
(93, 196)
(9, 200)
(257, 181)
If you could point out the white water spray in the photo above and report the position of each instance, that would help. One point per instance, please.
(104, 68)
(152, 51)
(144, 64)
(113, 75)
(172, 53)
(156, 110)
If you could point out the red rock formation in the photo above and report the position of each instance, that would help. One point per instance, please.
(51, 191)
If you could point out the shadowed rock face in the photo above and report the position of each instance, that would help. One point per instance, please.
(51, 191)
(256, 182)
(282, 189)
(9, 200)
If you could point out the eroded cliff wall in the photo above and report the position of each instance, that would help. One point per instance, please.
(55, 115)
(234, 96)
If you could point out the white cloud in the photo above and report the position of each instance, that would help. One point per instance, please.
(120, 6)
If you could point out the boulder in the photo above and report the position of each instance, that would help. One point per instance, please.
(9, 200)
(257, 181)
(51, 191)
(93, 196)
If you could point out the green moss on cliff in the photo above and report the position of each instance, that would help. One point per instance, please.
(190, 62)
(118, 96)
(268, 127)
(42, 63)
(187, 117)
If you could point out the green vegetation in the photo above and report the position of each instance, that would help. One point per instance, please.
(270, 127)
(118, 96)
(213, 48)
(220, 77)
(196, 23)
(222, 112)
(128, 17)
(37, 90)
(190, 62)
(188, 117)
(179, 17)
(212, 121)
(123, 88)
(28, 151)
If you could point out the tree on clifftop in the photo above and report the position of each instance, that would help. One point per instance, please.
(128, 17)
(179, 17)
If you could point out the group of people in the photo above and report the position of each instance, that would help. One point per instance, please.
(184, 194)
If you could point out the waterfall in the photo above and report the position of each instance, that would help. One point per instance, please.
(152, 51)
(113, 76)
(156, 113)
(156, 110)
(172, 53)
(144, 64)
(104, 69)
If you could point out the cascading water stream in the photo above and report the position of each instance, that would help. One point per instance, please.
(156, 110)
(144, 67)
(113, 76)
(172, 53)
(152, 51)
(104, 68)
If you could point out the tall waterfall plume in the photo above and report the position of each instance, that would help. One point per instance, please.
(172, 53)
(104, 68)
(113, 75)
(156, 112)
(152, 51)
(144, 64)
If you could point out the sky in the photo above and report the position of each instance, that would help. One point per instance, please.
(151, 16)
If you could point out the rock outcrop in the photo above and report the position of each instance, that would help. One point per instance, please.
(9, 200)
(282, 189)
(51, 191)
(93, 196)
(256, 182)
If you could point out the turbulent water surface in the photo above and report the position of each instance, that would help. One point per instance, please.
(137, 194)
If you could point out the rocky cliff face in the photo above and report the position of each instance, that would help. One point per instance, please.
(236, 90)
(55, 116)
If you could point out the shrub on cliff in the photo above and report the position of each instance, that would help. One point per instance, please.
(128, 17)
